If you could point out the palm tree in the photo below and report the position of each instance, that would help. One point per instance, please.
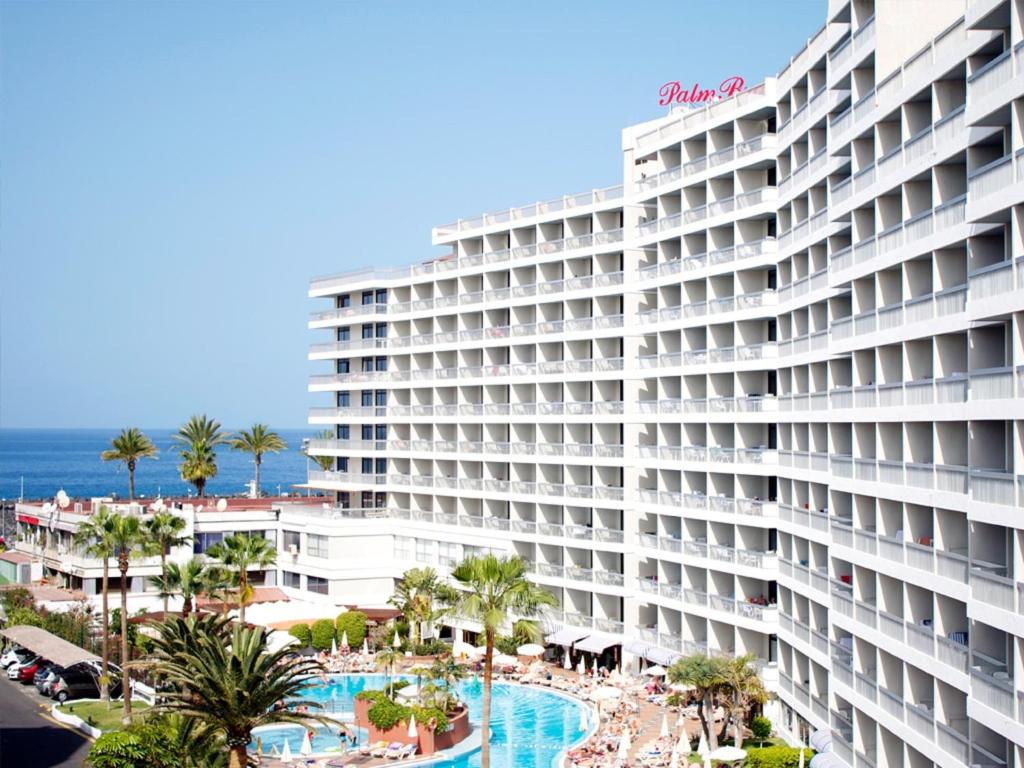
(417, 593)
(94, 535)
(495, 590)
(326, 463)
(388, 657)
(243, 553)
(258, 441)
(705, 675)
(225, 678)
(164, 531)
(743, 685)
(188, 579)
(128, 538)
(199, 438)
(130, 446)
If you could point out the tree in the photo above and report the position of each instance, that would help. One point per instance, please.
(128, 539)
(95, 537)
(422, 597)
(129, 447)
(199, 438)
(743, 686)
(188, 579)
(326, 463)
(242, 553)
(224, 677)
(761, 728)
(448, 672)
(302, 633)
(159, 741)
(322, 634)
(705, 675)
(351, 626)
(165, 531)
(388, 658)
(495, 592)
(258, 441)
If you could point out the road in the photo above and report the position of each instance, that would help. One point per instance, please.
(29, 738)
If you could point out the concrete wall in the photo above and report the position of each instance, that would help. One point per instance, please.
(903, 27)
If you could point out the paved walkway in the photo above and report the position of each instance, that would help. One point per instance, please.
(29, 738)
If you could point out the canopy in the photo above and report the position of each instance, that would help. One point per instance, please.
(566, 636)
(410, 691)
(662, 656)
(821, 741)
(636, 648)
(728, 754)
(826, 760)
(48, 645)
(530, 649)
(597, 643)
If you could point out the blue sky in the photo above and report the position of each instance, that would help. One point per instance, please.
(172, 174)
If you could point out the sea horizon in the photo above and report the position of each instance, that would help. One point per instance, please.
(40, 461)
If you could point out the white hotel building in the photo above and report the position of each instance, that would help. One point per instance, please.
(766, 396)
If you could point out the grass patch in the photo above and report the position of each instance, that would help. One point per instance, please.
(96, 713)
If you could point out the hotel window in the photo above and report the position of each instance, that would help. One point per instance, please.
(424, 551)
(344, 301)
(366, 500)
(289, 579)
(291, 541)
(382, 330)
(381, 500)
(343, 366)
(448, 553)
(344, 500)
(344, 398)
(316, 545)
(382, 397)
(367, 298)
(382, 296)
(344, 334)
(343, 432)
(367, 432)
(203, 541)
(403, 548)
(375, 466)
(381, 363)
(343, 463)
(367, 398)
(316, 584)
(367, 331)
(382, 431)
(367, 364)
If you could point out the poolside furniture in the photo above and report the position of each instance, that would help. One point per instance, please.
(407, 751)
(367, 749)
(382, 751)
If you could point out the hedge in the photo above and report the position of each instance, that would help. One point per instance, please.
(302, 633)
(776, 757)
(322, 634)
(352, 623)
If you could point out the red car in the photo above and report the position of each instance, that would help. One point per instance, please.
(27, 673)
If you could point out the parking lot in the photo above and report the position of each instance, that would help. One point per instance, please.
(29, 738)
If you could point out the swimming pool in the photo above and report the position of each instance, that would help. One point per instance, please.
(530, 727)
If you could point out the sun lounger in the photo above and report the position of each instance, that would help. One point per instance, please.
(367, 749)
(404, 753)
(382, 751)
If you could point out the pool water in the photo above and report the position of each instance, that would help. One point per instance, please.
(530, 727)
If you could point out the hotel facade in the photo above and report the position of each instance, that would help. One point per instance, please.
(766, 396)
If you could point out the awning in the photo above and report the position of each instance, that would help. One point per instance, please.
(821, 740)
(597, 642)
(48, 645)
(662, 656)
(566, 636)
(826, 760)
(636, 647)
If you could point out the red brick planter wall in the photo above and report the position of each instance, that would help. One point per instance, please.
(428, 741)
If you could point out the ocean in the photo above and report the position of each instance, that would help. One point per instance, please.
(50, 459)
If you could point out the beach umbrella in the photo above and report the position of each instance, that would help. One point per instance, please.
(707, 761)
(334, 647)
(464, 650)
(604, 693)
(664, 733)
(344, 638)
(683, 745)
(286, 753)
(728, 754)
(366, 647)
(582, 668)
(273, 750)
(567, 660)
(680, 721)
(307, 746)
(583, 720)
(411, 733)
(674, 762)
(530, 649)
(397, 642)
(594, 665)
(801, 757)
(655, 671)
(503, 660)
(624, 746)
(482, 650)
(259, 746)
(702, 747)
(615, 677)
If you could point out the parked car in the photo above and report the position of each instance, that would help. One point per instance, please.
(14, 670)
(81, 681)
(14, 654)
(45, 678)
(28, 672)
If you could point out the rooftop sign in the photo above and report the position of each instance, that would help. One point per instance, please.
(672, 92)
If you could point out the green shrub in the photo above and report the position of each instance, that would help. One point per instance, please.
(302, 633)
(761, 727)
(322, 633)
(352, 623)
(777, 757)
(506, 644)
(385, 714)
(431, 648)
(426, 714)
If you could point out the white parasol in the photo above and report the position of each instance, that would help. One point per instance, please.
(728, 754)
(344, 638)
(307, 746)
(567, 660)
(286, 753)
(366, 647)
(594, 665)
(674, 762)
(581, 668)
(530, 649)
(624, 746)
(664, 733)
(605, 693)
(655, 671)
(334, 647)
(683, 745)
(397, 642)
(411, 733)
(503, 660)
(680, 721)
(702, 747)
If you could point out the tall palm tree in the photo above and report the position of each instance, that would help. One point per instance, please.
(129, 539)
(495, 591)
(388, 658)
(242, 553)
(227, 679)
(130, 446)
(326, 463)
(705, 675)
(743, 686)
(258, 441)
(198, 465)
(165, 531)
(94, 536)
(188, 579)
(422, 596)
(199, 438)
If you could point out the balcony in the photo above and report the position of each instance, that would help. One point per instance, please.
(700, 164)
(741, 252)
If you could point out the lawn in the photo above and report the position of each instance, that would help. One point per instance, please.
(96, 714)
